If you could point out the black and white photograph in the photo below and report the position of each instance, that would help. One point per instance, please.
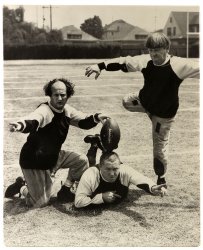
(101, 124)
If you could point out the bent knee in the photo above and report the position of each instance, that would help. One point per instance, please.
(83, 162)
(132, 103)
(83, 158)
(125, 99)
(125, 102)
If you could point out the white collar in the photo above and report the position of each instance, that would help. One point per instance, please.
(167, 59)
(103, 177)
(54, 109)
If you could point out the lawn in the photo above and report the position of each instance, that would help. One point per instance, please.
(142, 220)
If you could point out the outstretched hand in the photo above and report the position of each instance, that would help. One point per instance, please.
(159, 189)
(109, 197)
(93, 69)
(102, 118)
(14, 127)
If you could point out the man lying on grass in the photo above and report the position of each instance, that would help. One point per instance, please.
(109, 182)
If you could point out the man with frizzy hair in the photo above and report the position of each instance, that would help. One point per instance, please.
(41, 155)
(158, 98)
(109, 182)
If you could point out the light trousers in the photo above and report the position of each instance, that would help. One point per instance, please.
(160, 133)
(38, 190)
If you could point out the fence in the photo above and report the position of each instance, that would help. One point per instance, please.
(88, 49)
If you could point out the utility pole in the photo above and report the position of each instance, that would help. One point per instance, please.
(50, 17)
(43, 18)
(187, 36)
(50, 14)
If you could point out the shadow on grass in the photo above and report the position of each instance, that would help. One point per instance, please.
(127, 207)
(96, 210)
(15, 206)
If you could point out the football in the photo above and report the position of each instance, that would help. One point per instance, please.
(110, 135)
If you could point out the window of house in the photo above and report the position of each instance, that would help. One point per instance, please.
(169, 31)
(194, 28)
(171, 19)
(140, 37)
(74, 36)
(174, 31)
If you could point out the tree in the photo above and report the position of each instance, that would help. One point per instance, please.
(54, 36)
(17, 31)
(19, 14)
(93, 26)
(15, 16)
(40, 38)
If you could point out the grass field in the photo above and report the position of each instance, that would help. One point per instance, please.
(142, 220)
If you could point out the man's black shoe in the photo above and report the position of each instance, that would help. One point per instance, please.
(94, 140)
(161, 180)
(14, 188)
(65, 195)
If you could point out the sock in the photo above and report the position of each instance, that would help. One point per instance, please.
(162, 176)
(68, 183)
(74, 187)
(24, 191)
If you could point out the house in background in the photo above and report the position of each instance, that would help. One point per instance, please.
(71, 33)
(183, 30)
(120, 30)
(179, 23)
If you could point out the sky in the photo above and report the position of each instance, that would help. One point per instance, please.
(148, 17)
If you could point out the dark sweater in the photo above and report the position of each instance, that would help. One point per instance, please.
(159, 95)
(48, 130)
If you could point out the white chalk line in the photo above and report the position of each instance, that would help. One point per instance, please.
(134, 156)
(81, 80)
(93, 85)
(77, 86)
(62, 75)
(84, 96)
(104, 76)
(76, 96)
(110, 114)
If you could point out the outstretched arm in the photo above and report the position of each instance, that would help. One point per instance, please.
(82, 120)
(29, 123)
(97, 68)
(126, 64)
(131, 176)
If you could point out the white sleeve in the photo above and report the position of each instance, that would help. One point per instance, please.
(133, 64)
(74, 114)
(131, 176)
(43, 115)
(87, 185)
(185, 68)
